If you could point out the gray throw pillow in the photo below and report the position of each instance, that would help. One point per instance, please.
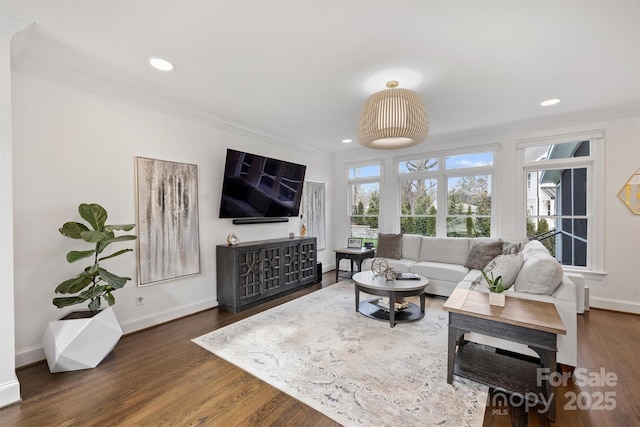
(482, 252)
(389, 246)
(506, 266)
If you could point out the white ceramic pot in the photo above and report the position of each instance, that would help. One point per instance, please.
(74, 344)
(497, 299)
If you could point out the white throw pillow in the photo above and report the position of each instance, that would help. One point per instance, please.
(540, 274)
(507, 266)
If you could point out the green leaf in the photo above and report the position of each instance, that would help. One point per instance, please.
(76, 255)
(74, 285)
(95, 236)
(73, 230)
(120, 252)
(110, 298)
(94, 214)
(67, 301)
(123, 238)
(93, 292)
(123, 227)
(92, 269)
(116, 282)
(95, 304)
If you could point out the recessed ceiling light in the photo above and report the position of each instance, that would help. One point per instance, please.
(347, 141)
(549, 102)
(161, 64)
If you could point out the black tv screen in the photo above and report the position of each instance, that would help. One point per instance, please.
(256, 186)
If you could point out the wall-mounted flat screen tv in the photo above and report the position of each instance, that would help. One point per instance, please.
(256, 186)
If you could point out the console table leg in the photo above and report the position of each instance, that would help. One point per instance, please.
(548, 360)
(451, 353)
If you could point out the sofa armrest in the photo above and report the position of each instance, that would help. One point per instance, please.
(578, 280)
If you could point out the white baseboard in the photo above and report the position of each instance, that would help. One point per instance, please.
(35, 354)
(139, 323)
(9, 393)
(614, 304)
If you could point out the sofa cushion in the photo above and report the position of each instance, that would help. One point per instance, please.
(389, 246)
(440, 271)
(401, 265)
(411, 246)
(540, 274)
(506, 266)
(450, 250)
(533, 246)
(482, 252)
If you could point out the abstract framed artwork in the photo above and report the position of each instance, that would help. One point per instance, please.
(313, 210)
(168, 224)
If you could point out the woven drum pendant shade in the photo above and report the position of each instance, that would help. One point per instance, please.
(393, 118)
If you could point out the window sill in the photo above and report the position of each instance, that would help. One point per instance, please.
(587, 274)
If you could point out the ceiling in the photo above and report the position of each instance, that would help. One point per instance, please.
(299, 72)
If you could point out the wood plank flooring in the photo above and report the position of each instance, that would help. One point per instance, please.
(158, 377)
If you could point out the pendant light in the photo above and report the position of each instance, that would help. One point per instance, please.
(393, 118)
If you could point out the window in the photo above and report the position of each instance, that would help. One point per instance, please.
(418, 196)
(462, 183)
(559, 215)
(364, 202)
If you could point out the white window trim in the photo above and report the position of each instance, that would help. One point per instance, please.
(364, 180)
(595, 181)
(442, 174)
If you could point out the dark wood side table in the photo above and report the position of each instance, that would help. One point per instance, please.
(354, 254)
(533, 323)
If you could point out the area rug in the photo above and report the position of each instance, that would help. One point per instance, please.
(354, 369)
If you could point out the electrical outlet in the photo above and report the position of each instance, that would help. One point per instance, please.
(139, 300)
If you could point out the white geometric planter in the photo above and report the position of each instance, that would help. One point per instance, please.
(496, 299)
(74, 344)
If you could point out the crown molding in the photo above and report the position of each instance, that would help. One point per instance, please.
(11, 25)
(17, 32)
(49, 72)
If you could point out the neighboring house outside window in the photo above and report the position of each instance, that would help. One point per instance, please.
(561, 217)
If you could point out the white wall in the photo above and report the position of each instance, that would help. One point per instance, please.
(72, 147)
(619, 287)
(9, 385)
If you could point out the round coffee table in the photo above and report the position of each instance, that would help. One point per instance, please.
(368, 283)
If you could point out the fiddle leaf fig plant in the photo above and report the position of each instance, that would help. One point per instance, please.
(94, 283)
(495, 285)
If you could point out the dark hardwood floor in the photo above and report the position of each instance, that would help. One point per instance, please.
(159, 377)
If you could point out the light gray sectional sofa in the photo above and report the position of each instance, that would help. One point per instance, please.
(450, 262)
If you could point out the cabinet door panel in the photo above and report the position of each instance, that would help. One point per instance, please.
(291, 265)
(249, 274)
(272, 268)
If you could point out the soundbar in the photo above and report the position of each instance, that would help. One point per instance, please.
(265, 220)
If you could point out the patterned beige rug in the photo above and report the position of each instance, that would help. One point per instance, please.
(356, 370)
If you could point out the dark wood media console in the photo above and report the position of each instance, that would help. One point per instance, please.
(253, 272)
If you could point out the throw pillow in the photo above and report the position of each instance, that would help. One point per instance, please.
(389, 246)
(511, 248)
(507, 266)
(482, 252)
(540, 274)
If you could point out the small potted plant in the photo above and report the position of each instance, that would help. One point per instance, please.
(496, 289)
(81, 339)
